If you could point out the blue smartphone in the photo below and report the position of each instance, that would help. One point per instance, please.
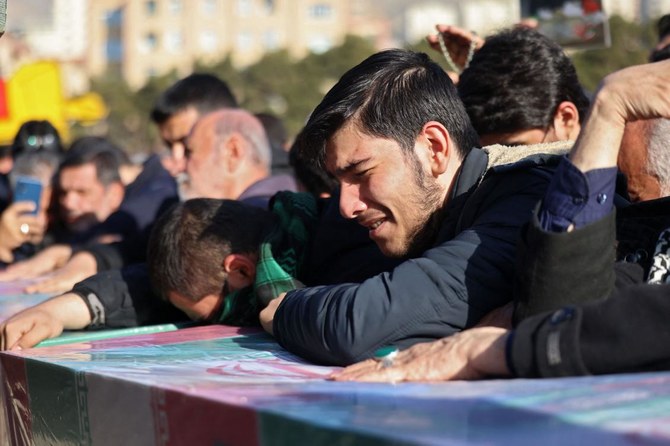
(28, 189)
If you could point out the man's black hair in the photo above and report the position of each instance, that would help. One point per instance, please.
(189, 242)
(663, 26)
(103, 154)
(204, 92)
(391, 94)
(516, 81)
(312, 177)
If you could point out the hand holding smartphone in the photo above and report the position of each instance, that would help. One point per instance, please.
(28, 189)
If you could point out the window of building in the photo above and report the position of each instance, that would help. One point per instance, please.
(271, 40)
(321, 11)
(150, 7)
(148, 43)
(114, 18)
(174, 6)
(174, 41)
(207, 41)
(245, 8)
(320, 44)
(208, 6)
(113, 51)
(269, 6)
(244, 41)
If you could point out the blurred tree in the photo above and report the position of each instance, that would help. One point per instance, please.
(277, 84)
(124, 121)
(225, 70)
(288, 88)
(128, 123)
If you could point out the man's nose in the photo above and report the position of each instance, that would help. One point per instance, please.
(351, 204)
(69, 200)
(178, 155)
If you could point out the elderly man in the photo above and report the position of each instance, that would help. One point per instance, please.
(625, 332)
(179, 107)
(228, 156)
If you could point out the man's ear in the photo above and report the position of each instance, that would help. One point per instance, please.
(233, 152)
(566, 121)
(439, 146)
(115, 193)
(240, 270)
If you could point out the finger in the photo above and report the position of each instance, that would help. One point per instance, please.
(433, 42)
(6, 255)
(16, 271)
(7, 275)
(21, 207)
(53, 285)
(361, 365)
(12, 333)
(354, 369)
(376, 374)
(34, 336)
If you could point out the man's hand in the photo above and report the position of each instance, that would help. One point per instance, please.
(43, 262)
(472, 354)
(44, 321)
(78, 268)
(457, 40)
(13, 219)
(267, 315)
(500, 317)
(639, 92)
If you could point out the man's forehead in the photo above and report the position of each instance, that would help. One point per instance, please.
(179, 125)
(87, 170)
(200, 130)
(80, 182)
(350, 146)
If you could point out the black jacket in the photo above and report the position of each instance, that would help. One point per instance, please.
(618, 323)
(339, 251)
(152, 193)
(467, 273)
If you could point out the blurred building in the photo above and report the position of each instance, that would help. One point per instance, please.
(143, 38)
(48, 30)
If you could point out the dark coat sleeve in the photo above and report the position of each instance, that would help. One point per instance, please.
(449, 288)
(557, 269)
(123, 298)
(628, 332)
(617, 324)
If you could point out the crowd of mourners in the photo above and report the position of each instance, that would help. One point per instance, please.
(422, 226)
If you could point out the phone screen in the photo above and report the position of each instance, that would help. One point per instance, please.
(28, 189)
(570, 23)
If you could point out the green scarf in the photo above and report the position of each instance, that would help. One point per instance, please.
(280, 257)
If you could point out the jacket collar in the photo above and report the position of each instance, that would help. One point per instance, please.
(471, 172)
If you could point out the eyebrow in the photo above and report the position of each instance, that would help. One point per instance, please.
(351, 165)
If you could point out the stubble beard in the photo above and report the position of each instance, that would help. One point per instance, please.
(426, 199)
